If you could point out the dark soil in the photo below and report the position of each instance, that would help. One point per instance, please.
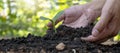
(69, 36)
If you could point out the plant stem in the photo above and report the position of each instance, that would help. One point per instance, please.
(54, 27)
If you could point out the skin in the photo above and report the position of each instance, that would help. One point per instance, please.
(81, 15)
(109, 24)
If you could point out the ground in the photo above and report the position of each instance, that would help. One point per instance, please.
(68, 36)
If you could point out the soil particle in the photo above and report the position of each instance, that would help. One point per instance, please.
(60, 46)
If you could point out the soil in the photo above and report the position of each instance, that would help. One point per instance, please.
(47, 44)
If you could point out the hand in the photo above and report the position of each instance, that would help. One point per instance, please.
(109, 24)
(81, 15)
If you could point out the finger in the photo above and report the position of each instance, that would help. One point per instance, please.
(97, 39)
(89, 38)
(57, 21)
(107, 37)
(106, 16)
(100, 37)
(88, 17)
(104, 30)
(72, 14)
(108, 32)
(49, 24)
(111, 30)
(93, 39)
(105, 19)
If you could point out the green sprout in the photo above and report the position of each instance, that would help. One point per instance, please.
(53, 20)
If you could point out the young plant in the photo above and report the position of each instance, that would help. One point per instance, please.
(53, 20)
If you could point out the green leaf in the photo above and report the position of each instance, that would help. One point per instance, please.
(58, 15)
(44, 18)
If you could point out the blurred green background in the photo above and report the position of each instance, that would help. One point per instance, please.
(20, 17)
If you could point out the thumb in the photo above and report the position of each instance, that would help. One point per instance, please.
(106, 17)
(89, 38)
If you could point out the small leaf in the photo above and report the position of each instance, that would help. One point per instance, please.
(44, 18)
(58, 15)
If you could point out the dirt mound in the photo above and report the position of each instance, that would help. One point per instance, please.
(68, 36)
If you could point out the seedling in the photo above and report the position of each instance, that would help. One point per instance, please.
(53, 20)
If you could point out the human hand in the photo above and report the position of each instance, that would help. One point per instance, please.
(81, 15)
(109, 24)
